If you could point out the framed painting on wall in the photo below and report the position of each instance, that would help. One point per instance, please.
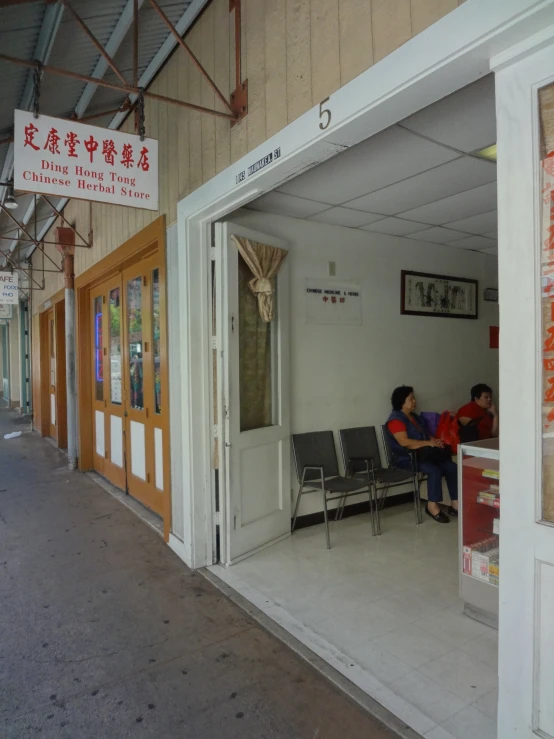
(422, 294)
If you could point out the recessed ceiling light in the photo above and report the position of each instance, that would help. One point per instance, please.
(489, 152)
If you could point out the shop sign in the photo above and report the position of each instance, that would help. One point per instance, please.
(257, 166)
(73, 160)
(332, 302)
(9, 288)
(6, 310)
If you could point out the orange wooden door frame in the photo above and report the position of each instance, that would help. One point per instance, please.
(52, 374)
(61, 388)
(44, 379)
(149, 241)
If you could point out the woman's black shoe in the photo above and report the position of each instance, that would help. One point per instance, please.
(439, 517)
(452, 512)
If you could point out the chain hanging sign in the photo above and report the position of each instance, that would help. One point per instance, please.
(73, 160)
(9, 289)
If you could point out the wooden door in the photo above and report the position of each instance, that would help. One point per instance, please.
(108, 381)
(144, 357)
(51, 324)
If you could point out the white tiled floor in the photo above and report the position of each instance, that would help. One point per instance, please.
(385, 612)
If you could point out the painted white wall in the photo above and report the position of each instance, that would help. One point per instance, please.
(342, 376)
(174, 344)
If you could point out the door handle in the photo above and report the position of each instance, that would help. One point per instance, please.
(125, 414)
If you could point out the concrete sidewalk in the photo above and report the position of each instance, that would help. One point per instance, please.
(106, 634)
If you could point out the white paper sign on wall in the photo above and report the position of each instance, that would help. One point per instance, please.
(73, 160)
(9, 291)
(332, 302)
(6, 310)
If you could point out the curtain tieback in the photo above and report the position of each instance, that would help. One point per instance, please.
(261, 285)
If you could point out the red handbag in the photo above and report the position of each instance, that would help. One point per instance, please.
(448, 430)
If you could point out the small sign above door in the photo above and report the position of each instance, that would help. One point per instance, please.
(6, 310)
(333, 302)
(73, 160)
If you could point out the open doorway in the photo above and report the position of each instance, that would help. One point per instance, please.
(419, 197)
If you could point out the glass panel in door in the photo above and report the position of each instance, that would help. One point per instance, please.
(98, 320)
(135, 343)
(257, 359)
(114, 307)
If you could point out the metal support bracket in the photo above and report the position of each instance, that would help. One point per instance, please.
(239, 96)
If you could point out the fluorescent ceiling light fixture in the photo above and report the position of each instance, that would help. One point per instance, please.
(10, 201)
(489, 152)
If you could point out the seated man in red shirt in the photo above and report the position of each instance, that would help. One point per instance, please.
(480, 414)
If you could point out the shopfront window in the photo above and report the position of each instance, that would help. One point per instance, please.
(98, 358)
(134, 334)
(156, 340)
(546, 108)
(115, 345)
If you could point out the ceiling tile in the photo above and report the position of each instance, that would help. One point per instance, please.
(462, 205)
(388, 157)
(436, 235)
(473, 242)
(287, 205)
(345, 217)
(481, 224)
(465, 120)
(394, 226)
(440, 182)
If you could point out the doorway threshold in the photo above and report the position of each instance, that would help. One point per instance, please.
(154, 521)
(358, 683)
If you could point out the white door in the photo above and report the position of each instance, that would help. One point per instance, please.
(255, 436)
(525, 113)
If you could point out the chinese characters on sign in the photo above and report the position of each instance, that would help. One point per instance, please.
(333, 302)
(9, 288)
(73, 160)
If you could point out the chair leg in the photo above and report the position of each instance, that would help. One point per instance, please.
(417, 501)
(372, 510)
(296, 507)
(340, 508)
(376, 511)
(383, 497)
(326, 518)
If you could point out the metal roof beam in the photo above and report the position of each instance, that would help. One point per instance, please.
(116, 39)
(43, 48)
(182, 26)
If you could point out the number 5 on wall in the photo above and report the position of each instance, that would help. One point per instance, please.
(324, 112)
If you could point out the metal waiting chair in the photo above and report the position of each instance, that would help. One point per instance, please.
(361, 456)
(414, 476)
(317, 469)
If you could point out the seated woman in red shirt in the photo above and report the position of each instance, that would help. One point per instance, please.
(480, 415)
(407, 432)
